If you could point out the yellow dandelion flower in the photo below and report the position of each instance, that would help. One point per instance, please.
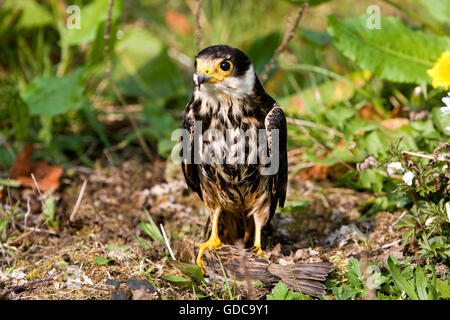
(440, 73)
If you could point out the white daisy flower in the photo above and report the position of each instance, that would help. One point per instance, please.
(430, 221)
(446, 110)
(394, 167)
(408, 178)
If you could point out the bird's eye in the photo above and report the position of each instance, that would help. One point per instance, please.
(225, 65)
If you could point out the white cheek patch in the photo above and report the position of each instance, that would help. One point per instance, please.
(237, 88)
(213, 94)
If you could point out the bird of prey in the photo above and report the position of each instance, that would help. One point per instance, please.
(227, 115)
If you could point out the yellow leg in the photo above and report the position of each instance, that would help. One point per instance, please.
(257, 244)
(213, 242)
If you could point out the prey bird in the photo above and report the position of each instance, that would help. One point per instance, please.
(228, 102)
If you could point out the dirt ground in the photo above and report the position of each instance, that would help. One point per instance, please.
(62, 262)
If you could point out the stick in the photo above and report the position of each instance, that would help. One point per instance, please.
(106, 38)
(77, 204)
(425, 156)
(25, 222)
(285, 43)
(167, 242)
(314, 125)
(116, 90)
(198, 27)
(25, 286)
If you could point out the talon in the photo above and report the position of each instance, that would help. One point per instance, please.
(258, 251)
(212, 244)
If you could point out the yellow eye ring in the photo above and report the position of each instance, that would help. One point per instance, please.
(225, 66)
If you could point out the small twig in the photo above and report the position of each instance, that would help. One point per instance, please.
(36, 229)
(13, 221)
(322, 146)
(25, 222)
(198, 27)
(41, 198)
(133, 123)
(25, 286)
(391, 244)
(77, 204)
(438, 149)
(115, 89)
(301, 166)
(167, 242)
(400, 218)
(305, 123)
(425, 156)
(36, 184)
(282, 47)
(106, 37)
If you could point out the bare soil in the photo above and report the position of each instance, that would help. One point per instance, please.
(61, 262)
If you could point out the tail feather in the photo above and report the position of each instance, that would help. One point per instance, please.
(243, 265)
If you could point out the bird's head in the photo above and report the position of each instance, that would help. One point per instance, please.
(224, 69)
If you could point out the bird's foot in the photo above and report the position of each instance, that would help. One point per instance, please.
(258, 251)
(212, 244)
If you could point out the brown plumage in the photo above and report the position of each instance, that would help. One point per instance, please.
(241, 199)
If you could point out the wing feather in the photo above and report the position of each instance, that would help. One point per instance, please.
(190, 169)
(275, 119)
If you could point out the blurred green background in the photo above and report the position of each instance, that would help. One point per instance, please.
(350, 82)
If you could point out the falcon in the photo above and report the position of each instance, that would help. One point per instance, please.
(234, 153)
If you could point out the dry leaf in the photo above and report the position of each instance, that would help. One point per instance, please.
(369, 113)
(318, 172)
(394, 123)
(177, 22)
(47, 176)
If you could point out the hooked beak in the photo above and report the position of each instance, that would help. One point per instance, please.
(201, 78)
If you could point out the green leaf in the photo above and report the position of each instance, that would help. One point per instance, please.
(296, 205)
(161, 124)
(375, 143)
(102, 261)
(315, 37)
(440, 121)
(394, 52)
(421, 284)
(280, 292)
(345, 292)
(438, 9)
(339, 115)
(177, 280)
(371, 180)
(443, 288)
(191, 270)
(33, 14)
(10, 183)
(151, 229)
(49, 212)
(91, 16)
(401, 282)
(50, 96)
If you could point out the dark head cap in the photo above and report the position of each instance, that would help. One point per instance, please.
(240, 60)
